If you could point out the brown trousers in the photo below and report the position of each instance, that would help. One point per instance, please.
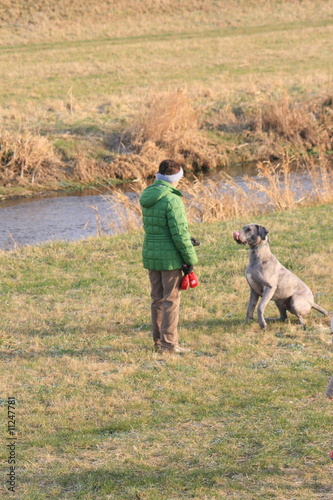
(165, 295)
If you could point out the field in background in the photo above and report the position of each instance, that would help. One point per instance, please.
(110, 89)
(99, 415)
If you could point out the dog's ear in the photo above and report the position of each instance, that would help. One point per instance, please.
(262, 232)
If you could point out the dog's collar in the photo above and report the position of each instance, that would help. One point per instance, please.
(259, 246)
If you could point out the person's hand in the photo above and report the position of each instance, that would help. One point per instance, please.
(195, 242)
(187, 269)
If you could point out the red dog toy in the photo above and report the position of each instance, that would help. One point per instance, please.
(185, 282)
(193, 280)
(189, 280)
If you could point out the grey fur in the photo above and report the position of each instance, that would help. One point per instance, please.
(269, 279)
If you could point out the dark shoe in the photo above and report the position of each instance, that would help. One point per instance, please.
(157, 348)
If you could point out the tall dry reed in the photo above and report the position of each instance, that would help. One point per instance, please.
(277, 187)
(167, 118)
(321, 175)
(209, 200)
(28, 157)
(126, 208)
(170, 122)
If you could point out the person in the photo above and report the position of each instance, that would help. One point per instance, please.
(166, 248)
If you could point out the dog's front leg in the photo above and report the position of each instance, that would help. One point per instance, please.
(252, 304)
(266, 297)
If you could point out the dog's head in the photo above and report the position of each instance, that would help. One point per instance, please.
(251, 234)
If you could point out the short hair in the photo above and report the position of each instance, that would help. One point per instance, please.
(169, 167)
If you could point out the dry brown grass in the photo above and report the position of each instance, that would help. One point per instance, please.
(166, 79)
(28, 20)
(168, 118)
(306, 124)
(85, 169)
(278, 187)
(28, 158)
(275, 189)
(321, 174)
(168, 125)
(127, 210)
(208, 201)
(272, 126)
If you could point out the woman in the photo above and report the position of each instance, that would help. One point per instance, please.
(167, 247)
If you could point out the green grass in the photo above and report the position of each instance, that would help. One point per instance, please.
(99, 415)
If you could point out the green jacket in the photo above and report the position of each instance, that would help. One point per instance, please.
(167, 243)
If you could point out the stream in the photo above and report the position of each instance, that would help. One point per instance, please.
(63, 217)
(66, 217)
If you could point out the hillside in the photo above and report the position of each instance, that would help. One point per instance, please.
(102, 91)
(26, 21)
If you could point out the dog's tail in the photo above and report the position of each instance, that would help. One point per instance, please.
(320, 309)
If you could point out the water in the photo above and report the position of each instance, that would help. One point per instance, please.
(68, 217)
(44, 219)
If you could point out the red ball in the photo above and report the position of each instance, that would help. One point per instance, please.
(331, 455)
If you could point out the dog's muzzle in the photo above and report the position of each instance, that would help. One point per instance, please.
(236, 236)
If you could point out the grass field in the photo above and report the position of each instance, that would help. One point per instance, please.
(103, 90)
(99, 415)
(80, 74)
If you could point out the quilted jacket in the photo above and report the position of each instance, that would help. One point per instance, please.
(167, 243)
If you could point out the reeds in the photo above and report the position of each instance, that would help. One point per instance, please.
(166, 118)
(300, 124)
(170, 122)
(276, 188)
(125, 208)
(321, 175)
(208, 200)
(27, 158)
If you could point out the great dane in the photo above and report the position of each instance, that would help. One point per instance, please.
(269, 279)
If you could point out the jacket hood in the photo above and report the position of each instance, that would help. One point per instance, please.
(155, 192)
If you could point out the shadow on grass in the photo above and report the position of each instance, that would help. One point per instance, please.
(127, 333)
(163, 483)
(102, 354)
(126, 338)
(213, 323)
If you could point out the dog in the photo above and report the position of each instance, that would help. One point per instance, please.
(269, 279)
